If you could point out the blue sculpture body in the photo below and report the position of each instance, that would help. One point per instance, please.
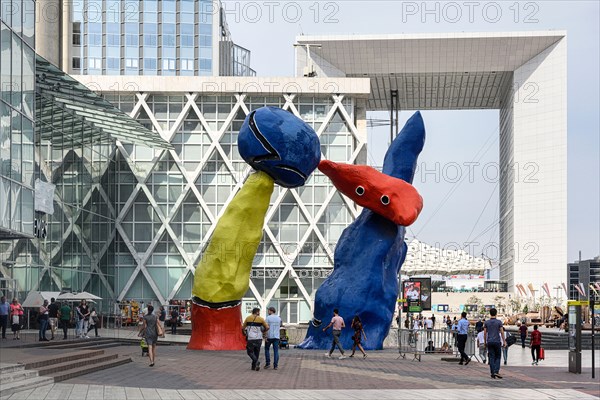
(279, 143)
(368, 258)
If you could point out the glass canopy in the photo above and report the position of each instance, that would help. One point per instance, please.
(66, 109)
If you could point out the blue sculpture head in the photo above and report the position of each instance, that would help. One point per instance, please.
(279, 143)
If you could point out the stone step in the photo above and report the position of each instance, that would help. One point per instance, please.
(30, 383)
(50, 360)
(59, 343)
(18, 375)
(56, 369)
(89, 343)
(88, 368)
(8, 368)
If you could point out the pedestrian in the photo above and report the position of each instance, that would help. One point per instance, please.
(94, 322)
(83, 312)
(359, 332)
(174, 320)
(43, 321)
(449, 323)
(494, 341)
(523, 331)
(479, 325)
(16, 313)
(536, 345)
(65, 314)
(275, 324)
(433, 320)
(150, 332)
(53, 316)
(505, 348)
(481, 346)
(462, 331)
(429, 326)
(253, 328)
(338, 324)
(4, 311)
(162, 316)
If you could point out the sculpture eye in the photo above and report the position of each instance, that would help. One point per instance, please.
(385, 200)
(360, 190)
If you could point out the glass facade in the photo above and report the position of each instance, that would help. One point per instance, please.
(17, 80)
(150, 37)
(169, 201)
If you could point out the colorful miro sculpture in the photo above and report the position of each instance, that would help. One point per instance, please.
(284, 150)
(371, 250)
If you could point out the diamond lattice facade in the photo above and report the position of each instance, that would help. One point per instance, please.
(166, 202)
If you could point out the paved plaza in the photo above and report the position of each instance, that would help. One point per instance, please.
(302, 374)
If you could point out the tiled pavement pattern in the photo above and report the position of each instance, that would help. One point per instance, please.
(182, 374)
(95, 392)
(177, 369)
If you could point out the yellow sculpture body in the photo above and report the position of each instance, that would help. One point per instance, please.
(223, 273)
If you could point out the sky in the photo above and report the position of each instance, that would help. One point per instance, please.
(457, 210)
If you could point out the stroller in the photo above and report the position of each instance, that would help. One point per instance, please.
(284, 340)
(144, 347)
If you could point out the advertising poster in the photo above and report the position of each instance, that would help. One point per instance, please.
(412, 294)
(425, 292)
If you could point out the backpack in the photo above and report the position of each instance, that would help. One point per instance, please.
(510, 339)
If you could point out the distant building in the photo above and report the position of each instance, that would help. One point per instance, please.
(585, 272)
(133, 37)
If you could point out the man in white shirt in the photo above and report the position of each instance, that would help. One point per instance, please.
(429, 327)
(481, 346)
(274, 322)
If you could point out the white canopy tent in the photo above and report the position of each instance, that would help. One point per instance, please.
(36, 299)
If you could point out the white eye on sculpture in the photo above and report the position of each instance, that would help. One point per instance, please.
(360, 190)
(385, 200)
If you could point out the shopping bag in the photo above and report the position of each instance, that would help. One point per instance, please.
(542, 355)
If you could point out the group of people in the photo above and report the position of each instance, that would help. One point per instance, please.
(337, 323)
(51, 316)
(13, 313)
(257, 328)
(492, 340)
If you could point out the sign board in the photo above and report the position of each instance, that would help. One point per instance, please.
(578, 303)
(425, 292)
(412, 293)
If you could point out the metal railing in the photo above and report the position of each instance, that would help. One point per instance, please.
(417, 342)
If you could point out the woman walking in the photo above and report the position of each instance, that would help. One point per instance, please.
(16, 313)
(150, 332)
(94, 321)
(536, 345)
(358, 333)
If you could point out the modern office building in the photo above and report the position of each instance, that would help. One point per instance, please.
(56, 146)
(521, 74)
(135, 37)
(584, 273)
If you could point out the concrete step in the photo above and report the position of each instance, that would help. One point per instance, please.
(89, 344)
(30, 383)
(50, 360)
(8, 368)
(88, 368)
(56, 369)
(60, 343)
(18, 375)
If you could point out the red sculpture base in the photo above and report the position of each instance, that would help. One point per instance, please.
(217, 328)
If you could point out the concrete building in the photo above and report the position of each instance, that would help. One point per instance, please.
(134, 37)
(584, 272)
(521, 74)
